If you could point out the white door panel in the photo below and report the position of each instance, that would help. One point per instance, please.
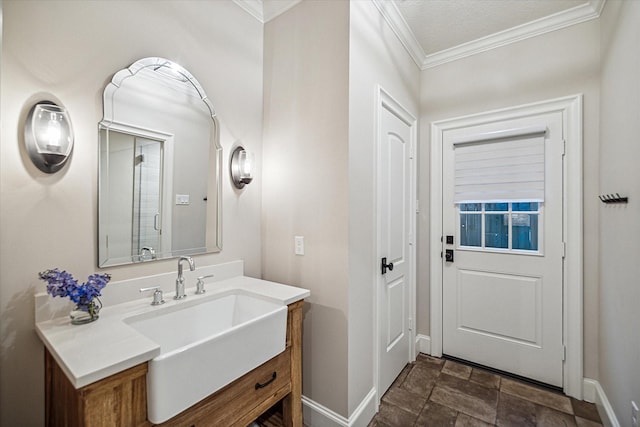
(516, 316)
(394, 222)
(502, 302)
(396, 327)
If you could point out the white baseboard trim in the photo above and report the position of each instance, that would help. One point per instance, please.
(365, 411)
(317, 415)
(593, 392)
(423, 344)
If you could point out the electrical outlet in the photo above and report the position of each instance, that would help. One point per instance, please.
(635, 418)
(299, 245)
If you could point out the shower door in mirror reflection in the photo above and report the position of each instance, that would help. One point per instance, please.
(136, 171)
(160, 165)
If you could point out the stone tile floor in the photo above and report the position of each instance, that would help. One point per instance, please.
(436, 392)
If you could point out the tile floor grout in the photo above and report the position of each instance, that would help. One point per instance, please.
(437, 392)
(455, 394)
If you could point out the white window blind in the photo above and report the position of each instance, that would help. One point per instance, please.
(500, 166)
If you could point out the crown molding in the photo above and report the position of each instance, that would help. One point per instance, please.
(252, 7)
(576, 15)
(394, 18)
(256, 8)
(277, 9)
(538, 27)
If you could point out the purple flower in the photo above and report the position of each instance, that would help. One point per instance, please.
(62, 284)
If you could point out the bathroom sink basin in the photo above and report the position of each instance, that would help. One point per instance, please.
(205, 344)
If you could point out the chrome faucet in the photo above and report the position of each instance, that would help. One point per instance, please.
(180, 280)
(147, 250)
(200, 284)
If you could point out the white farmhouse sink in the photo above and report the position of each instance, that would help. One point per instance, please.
(205, 344)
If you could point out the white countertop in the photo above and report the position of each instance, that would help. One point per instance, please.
(91, 352)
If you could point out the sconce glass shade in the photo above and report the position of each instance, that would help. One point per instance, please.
(48, 136)
(241, 167)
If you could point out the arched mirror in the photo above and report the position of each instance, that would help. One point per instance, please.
(159, 166)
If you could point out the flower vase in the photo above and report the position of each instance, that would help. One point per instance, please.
(85, 312)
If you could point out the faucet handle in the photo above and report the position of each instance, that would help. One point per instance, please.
(200, 284)
(157, 294)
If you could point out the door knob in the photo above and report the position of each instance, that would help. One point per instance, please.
(448, 255)
(384, 265)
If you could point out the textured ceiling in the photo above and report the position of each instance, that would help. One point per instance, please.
(441, 24)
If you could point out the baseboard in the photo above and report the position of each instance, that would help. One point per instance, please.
(317, 415)
(423, 344)
(365, 411)
(593, 392)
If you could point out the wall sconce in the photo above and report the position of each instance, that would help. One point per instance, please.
(48, 136)
(241, 167)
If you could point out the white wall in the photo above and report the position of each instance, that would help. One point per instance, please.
(560, 63)
(376, 58)
(620, 227)
(305, 188)
(69, 50)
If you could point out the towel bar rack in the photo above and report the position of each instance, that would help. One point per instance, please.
(610, 198)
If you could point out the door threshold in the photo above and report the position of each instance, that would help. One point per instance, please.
(505, 374)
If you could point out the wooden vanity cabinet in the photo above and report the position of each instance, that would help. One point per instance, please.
(121, 399)
(118, 400)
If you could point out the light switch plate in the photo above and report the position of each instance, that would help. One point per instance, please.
(182, 199)
(299, 245)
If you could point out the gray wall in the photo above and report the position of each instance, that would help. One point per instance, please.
(310, 184)
(319, 149)
(619, 226)
(305, 181)
(561, 63)
(51, 221)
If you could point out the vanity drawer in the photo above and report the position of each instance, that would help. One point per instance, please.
(243, 400)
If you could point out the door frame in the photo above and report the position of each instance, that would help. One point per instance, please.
(572, 327)
(385, 101)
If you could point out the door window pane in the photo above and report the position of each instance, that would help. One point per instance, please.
(496, 207)
(471, 207)
(471, 230)
(525, 206)
(500, 225)
(524, 231)
(496, 233)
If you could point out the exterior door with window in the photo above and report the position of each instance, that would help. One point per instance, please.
(503, 250)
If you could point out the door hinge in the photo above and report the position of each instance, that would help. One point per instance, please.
(564, 147)
(564, 250)
(564, 353)
(417, 206)
(410, 323)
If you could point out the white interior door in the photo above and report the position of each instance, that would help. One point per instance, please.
(395, 224)
(502, 260)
